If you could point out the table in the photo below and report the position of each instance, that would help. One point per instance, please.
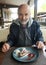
(8, 60)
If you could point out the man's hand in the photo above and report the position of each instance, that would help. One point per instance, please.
(40, 44)
(5, 47)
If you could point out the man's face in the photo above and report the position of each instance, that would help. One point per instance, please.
(24, 14)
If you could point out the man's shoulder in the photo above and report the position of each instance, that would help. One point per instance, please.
(35, 23)
(16, 21)
(14, 24)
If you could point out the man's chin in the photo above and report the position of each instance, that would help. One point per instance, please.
(24, 22)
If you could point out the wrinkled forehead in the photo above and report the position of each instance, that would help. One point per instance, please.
(24, 8)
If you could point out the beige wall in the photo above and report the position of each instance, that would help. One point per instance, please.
(3, 34)
(44, 33)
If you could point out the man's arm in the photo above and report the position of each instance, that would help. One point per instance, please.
(11, 38)
(39, 37)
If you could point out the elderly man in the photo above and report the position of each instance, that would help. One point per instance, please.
(24, 31)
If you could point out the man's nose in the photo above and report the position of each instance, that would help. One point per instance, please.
(23, 17)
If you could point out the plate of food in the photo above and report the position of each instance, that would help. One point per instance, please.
(25, 54)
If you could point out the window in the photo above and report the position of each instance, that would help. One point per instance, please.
(9, 14)
(14, 12)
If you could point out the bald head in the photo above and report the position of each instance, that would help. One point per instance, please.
(24, 13)
(24, 7)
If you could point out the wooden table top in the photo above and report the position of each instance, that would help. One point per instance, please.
(6, 59)
(1, 56)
